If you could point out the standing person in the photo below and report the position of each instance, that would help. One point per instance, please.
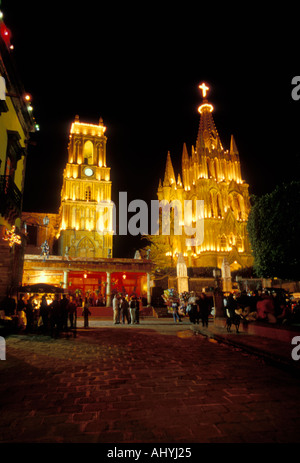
(116, 310)
(265, 308)
(54, 316)
(64, 312)
(21, 308)
(132, 310)
(204, 309)
(192, 308)
(29, 314)
(124, 310)
(44, 313)
(72, 307)
(194, 312)
(175, 311)
(86, 312)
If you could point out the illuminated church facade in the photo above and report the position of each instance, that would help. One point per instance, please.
(86, 217)
(212, 174)
(78, 255)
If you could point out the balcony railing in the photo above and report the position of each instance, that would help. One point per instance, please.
(10, 199)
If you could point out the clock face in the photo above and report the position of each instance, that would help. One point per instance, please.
(88, 171)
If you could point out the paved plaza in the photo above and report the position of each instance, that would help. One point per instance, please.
(156, 382)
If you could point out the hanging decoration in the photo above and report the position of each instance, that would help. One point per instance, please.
(169, 296)
(12, 237)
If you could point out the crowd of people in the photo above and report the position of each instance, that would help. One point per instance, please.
(196, 308)
(267, 305)
(51, 316)
(125, 309)
(59, 314)
(262, 305)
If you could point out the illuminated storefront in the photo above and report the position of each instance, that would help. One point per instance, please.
(98, 279)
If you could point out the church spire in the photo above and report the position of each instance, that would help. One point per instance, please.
(185, 156)
(233, 148)
(169, 172)
(208, 137)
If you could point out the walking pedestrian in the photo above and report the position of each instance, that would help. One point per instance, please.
(176, 315)
(86, 312)
(116, 310)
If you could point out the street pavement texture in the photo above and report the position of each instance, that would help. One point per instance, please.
(157, 382)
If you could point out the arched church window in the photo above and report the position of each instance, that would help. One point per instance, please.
(88, 151)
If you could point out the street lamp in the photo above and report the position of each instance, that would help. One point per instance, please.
(46, 221)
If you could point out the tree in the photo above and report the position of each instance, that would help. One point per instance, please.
(161, 250)
(274, 232)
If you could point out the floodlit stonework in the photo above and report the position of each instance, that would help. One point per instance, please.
(213, 174)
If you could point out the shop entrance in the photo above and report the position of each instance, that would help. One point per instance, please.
(94, 285)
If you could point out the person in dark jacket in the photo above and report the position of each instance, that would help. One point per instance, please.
(137, 311)
(44, 313)
(55, 318)
(204, 307)
(64, 312)
(72, 308)
(86, 312)
(29, 314)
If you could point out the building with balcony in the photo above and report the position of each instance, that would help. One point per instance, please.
(16, 124)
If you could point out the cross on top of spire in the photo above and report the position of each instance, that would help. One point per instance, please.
(204, 89)
(205, 105)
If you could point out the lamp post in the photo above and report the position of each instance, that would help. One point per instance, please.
(46, 221)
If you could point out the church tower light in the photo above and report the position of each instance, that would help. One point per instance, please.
(212, 174)
(86, 208)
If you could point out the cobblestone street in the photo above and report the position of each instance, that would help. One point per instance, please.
(123, 384)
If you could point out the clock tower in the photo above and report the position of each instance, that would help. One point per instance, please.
(86, 211)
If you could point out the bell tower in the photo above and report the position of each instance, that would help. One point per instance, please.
(86, 211)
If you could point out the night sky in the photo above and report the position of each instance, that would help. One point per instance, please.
(138, 66)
